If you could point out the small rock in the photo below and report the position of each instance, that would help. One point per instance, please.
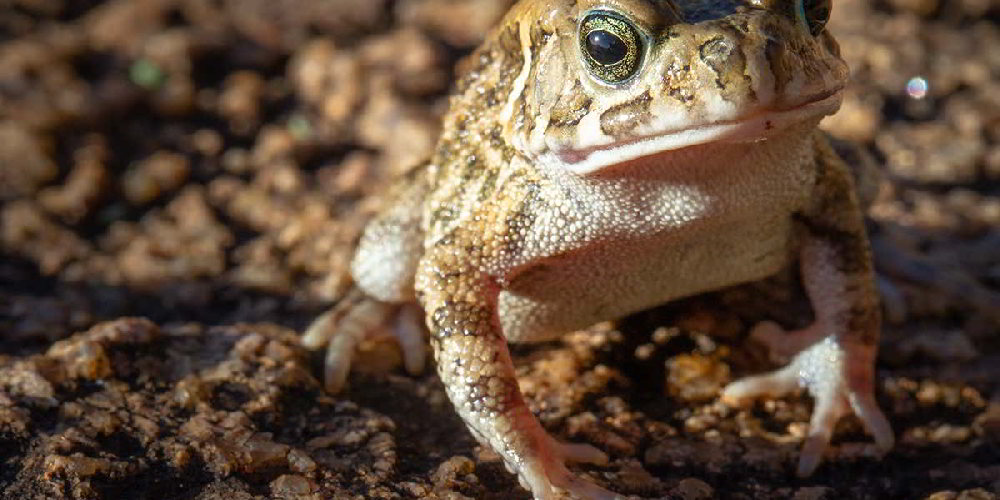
(25, 164)
(160, 173)
(290, 485)
(693, 489)
(696, 377)
(814, 493)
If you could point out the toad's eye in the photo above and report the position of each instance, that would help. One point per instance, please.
(612, 47)
(814, 14)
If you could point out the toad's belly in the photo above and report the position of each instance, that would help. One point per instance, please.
(610, 280)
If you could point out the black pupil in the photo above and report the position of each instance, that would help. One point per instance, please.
(605, 47)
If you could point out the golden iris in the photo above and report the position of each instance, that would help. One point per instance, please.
(612, 47)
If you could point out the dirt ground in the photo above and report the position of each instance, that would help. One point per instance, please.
(181, 183)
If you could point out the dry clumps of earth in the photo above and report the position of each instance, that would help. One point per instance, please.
(181, 183)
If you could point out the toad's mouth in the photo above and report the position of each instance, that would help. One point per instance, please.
(752, 128)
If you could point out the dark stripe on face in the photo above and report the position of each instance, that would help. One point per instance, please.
(571, 107)
(624, 118)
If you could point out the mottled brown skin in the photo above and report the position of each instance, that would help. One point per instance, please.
(555, 199)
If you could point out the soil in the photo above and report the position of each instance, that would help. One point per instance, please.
(181, 184)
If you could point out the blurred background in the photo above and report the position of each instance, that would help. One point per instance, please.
(207, 162)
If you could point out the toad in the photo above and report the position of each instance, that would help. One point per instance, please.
(600, 157)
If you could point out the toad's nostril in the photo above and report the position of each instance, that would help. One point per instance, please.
(716, 53)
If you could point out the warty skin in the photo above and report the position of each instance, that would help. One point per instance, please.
(564, 191)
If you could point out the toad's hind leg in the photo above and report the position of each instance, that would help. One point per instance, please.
(383, 269)
(836, 354)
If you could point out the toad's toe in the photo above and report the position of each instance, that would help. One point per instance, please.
(580, 453)
(410, 333)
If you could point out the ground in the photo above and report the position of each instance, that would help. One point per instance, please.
(181, 182)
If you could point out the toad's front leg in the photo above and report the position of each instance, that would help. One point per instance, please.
(835, 356)
(475, 366)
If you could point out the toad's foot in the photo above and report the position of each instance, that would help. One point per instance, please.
(357, 318)
(838, 377)
(548, 478)
(563, 484)
(552, 480)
